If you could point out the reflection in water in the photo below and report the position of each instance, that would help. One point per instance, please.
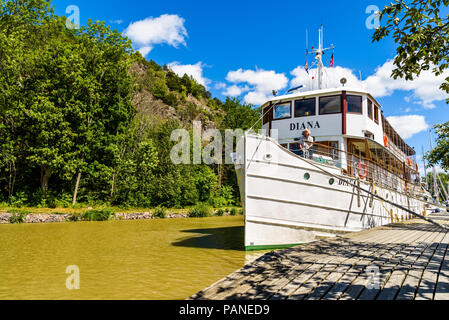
(147, 259)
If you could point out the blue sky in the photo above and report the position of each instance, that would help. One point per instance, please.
(249, 47)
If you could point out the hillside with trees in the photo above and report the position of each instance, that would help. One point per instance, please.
(86, 119)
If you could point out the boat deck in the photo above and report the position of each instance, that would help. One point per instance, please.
(402, 261)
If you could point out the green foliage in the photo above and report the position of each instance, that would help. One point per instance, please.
(223, 197)
(233, 211)
(74, 217)
(67, 119)
(160, 212)
(440, 154)
(421, 30)
(97, 215)
(18, 216)
(429, 184)
(201, 210)
(219, 213)
(241, 212)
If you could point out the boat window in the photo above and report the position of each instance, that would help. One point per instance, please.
(283, 111)
(370, 109)
(331, 104)
(266, 115)
(284, 145)
(354, 104)
(376, 114)
(304, 108)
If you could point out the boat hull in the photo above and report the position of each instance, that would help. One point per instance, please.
(289, 200)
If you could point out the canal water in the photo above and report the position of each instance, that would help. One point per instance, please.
(146, 259)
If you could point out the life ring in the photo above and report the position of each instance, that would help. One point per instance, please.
(362, 169)
(385, 141)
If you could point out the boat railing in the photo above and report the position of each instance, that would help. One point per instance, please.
(401, 178)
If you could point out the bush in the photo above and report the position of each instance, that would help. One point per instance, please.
(233, 212)
(18, 216)
(97, 215)
(220, 213)
(74, 217)
(160, 212)
(241, 212)
(201, 210)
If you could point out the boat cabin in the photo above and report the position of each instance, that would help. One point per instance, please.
(349, 130)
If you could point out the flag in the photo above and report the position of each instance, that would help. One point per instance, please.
(332, 60)
(306, 67)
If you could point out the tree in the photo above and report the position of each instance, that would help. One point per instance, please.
(440, 154)
(422, 34)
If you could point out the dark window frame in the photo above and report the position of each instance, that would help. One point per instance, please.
(341, 104)
(361, 104)
(314, 103)
(279, 104)
(370, 109)
(376, 114)
(266, 114)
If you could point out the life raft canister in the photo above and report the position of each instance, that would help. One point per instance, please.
(385, 141)
(409, 162)
(362, 169)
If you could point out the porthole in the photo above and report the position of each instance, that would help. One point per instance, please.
(331, 181)
(268, 157)
(307, 176)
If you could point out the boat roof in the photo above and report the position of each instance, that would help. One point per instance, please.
(311, 93)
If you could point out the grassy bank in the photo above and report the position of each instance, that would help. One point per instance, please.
(102, 213)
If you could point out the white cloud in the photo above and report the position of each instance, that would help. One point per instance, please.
(167, 29)
(261, 84)
(193, 70)
(424, 89)
(331, 78)
(145, 50)
(235, 91)
(408, 126)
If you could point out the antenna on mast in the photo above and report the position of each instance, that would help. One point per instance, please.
(319, 56)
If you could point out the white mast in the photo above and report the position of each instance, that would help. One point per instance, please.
(319, 57)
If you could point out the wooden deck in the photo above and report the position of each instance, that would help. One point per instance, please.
(402, 261)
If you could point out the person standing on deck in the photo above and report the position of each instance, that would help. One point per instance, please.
(306, 144)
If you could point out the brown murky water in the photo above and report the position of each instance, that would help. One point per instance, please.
(147, 259)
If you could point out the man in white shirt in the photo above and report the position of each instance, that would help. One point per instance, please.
(306, 144)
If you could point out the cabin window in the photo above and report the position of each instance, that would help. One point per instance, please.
(266, 115)
(284, 145)
(283, 111)
(354, 104)
(305, 108)
(370, 109)
(331, 104)
(376, 114)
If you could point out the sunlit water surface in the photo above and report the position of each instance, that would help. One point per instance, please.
(146, 259)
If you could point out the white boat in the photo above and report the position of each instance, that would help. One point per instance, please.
(291, 197)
